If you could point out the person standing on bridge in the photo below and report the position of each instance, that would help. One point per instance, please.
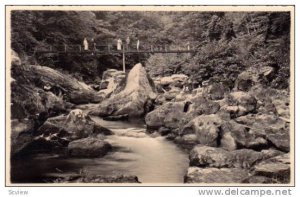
(138, 45)
(93, 43)
(85, 44)
(119, 44)
(127, 42)
(188, 46)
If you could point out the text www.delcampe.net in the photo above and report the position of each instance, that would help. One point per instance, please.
(245, 192)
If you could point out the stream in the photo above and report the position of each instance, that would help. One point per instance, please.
(151, 159)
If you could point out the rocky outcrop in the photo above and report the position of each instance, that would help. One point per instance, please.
(215, 175)
(133, 99)
(88, 147)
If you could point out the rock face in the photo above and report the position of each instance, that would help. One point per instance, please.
(215, 175)
(88, 147)
(132, 99)
(206, 127)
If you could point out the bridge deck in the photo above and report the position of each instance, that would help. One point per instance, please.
(116, 52)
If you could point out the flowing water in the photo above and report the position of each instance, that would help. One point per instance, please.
(151, 159)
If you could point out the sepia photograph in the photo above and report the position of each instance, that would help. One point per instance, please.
(150, 95)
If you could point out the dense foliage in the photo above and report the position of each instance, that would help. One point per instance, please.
(226, 43)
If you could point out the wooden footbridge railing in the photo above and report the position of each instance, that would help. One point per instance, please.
(112, 49)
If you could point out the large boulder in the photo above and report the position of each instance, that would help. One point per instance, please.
(272, 101)
(246, 158)
(75, 125)
(132, 99)
(28, 100)
(270, 127)
(215, 91)
(245, 81)
(236, 135)
(277, 168)
(261, 122)
(205, 156)
(176, 80)
(206, 127)
(280, 138)
(240, 103)
(188, 141)
(172, 94)
(168, 115)
(200, 105)
(215, 175)
(254, 75)
(177, 114)
(88, 147)
(55, 133)
(41, 79)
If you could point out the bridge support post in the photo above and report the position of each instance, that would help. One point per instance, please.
(124, 59)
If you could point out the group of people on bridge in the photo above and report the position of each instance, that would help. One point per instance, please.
(119, 44)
